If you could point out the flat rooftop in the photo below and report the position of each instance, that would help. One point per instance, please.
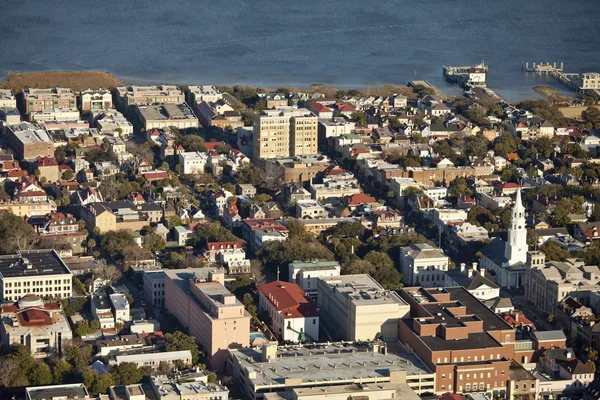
(32, 263)
(322, 362)
(355, 391)
(363, 289)
(166, 112)
(314, 265)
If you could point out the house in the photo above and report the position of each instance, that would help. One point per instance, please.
(294, 317)
(183, 235)
(310, 209)
(48, 168)
(356, 200)
(245, 190)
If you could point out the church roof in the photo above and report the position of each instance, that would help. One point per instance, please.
(495, 251)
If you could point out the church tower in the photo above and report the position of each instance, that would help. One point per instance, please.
(516, 247)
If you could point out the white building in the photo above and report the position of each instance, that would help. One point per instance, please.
(113, 123)
(209, 94)
(310, 209)
(95, 99)
(356, 307)
(41, 327)
(423, 265)
(293, 316)
(7, 99)
(234, 260)
(102, 311)
(193, 162)
(183, 235)
(154, 360)
(120, 307)
(506, 260)
(38, 272)
(306, 273)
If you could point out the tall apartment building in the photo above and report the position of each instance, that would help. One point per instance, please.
(467, 345)
(285, 133)
(154, 287)
(41, 327)
(38, 100)
(356, 307)
(304, 131)
(141, 95)
(218, 321)
(425, 265)
(38, 272)
(95, 100)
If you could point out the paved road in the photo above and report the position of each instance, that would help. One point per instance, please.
(530, 311)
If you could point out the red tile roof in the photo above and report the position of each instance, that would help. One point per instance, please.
(213, 145)
(265, 223)
(512, 156)
(320, 108)
(358, 199)
(517, 318)
(156, 175)
(289, 299)
(343, 107)
(46, 162)
(510, 185)
(34, 317)
(223, 245)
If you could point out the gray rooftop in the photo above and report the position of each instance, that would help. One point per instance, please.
(549, 335)
(363, 289)
(32, 263)
(321, 362)
(65, 391)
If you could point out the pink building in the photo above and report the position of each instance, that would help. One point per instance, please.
(212, 314)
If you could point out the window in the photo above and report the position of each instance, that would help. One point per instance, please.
(468, 387)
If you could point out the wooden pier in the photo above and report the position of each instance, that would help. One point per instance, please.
(555, 70)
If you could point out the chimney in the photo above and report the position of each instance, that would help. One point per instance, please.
(462, 267)
(517, 316)
(482, 272)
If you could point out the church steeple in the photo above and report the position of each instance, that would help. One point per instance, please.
(516, 246)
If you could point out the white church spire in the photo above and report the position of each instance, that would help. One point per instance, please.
(516, 246)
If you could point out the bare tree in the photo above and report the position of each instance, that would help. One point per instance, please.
(8, 370)
(257, 271)
(109, 273)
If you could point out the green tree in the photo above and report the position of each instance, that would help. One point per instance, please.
(97, 383)
(347, 230)
(359, 118)
(126, 374)
(544, 146)
(476, 146)
(179, 341)
(506, 143)
(175, 220)
(554, 251)
(21, 355)
(60, 370)
(460, 187)
(248, 302)
(212, 232)
(560, 216)
(68, 175)
(296, 229)
(154, 242)
(15, 233)
(41, 375)
(77, 356)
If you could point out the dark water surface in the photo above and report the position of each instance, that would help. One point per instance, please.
(349, 43)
